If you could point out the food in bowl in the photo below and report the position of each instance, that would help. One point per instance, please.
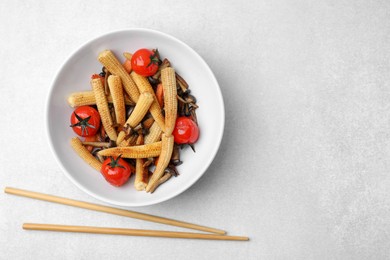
(135, 119)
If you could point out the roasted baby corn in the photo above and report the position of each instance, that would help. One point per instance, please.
(154, 134)
(108, 59)
(140, 110)
(116, 90)
(168, 80)
(137, 151)
(102, 105)
(83, 152)
(163, 161)
(87, 98)
(141, 175)
(155, 109)
(141, 172)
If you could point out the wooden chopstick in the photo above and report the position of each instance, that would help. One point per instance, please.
(111, 210)
(129, 232)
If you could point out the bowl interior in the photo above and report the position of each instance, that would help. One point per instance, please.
(74, 76)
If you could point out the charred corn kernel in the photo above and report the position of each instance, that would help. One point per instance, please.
(83, 152)
(116, 90)
(141, 172)
(87, 98)
(127, 55)
(154, 134)
(168, 80)
(140, 110)
(163, 161)
(108, 59)
(102, 106)
(155, 109)
(137, 151)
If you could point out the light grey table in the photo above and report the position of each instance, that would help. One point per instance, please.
(303, 168)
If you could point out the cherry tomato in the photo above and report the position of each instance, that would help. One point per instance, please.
(85, 121)
(145, 62)
(186, 131)
(116, 171)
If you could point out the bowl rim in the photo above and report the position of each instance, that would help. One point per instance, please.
(180, 189)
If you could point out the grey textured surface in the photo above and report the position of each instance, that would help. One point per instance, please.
(303, 169)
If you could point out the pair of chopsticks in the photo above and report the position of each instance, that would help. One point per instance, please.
(217, 234)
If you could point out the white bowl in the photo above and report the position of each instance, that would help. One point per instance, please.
(74, 75)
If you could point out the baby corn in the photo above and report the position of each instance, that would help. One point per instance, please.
(87, 98)
(102, 105)
(108, 59)
(168, 80)
(154, 134)
(137, 151)
(141, 172)
(140, 110)
(141, 175)
(83, 152)
(116, 90)
(163, 161)
(155, 109)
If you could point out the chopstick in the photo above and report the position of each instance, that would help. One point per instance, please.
(110, 210)
(129, 232)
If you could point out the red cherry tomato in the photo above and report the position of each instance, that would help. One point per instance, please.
(186, 131)
(85, 121)
(116, 171)
(145, 62)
